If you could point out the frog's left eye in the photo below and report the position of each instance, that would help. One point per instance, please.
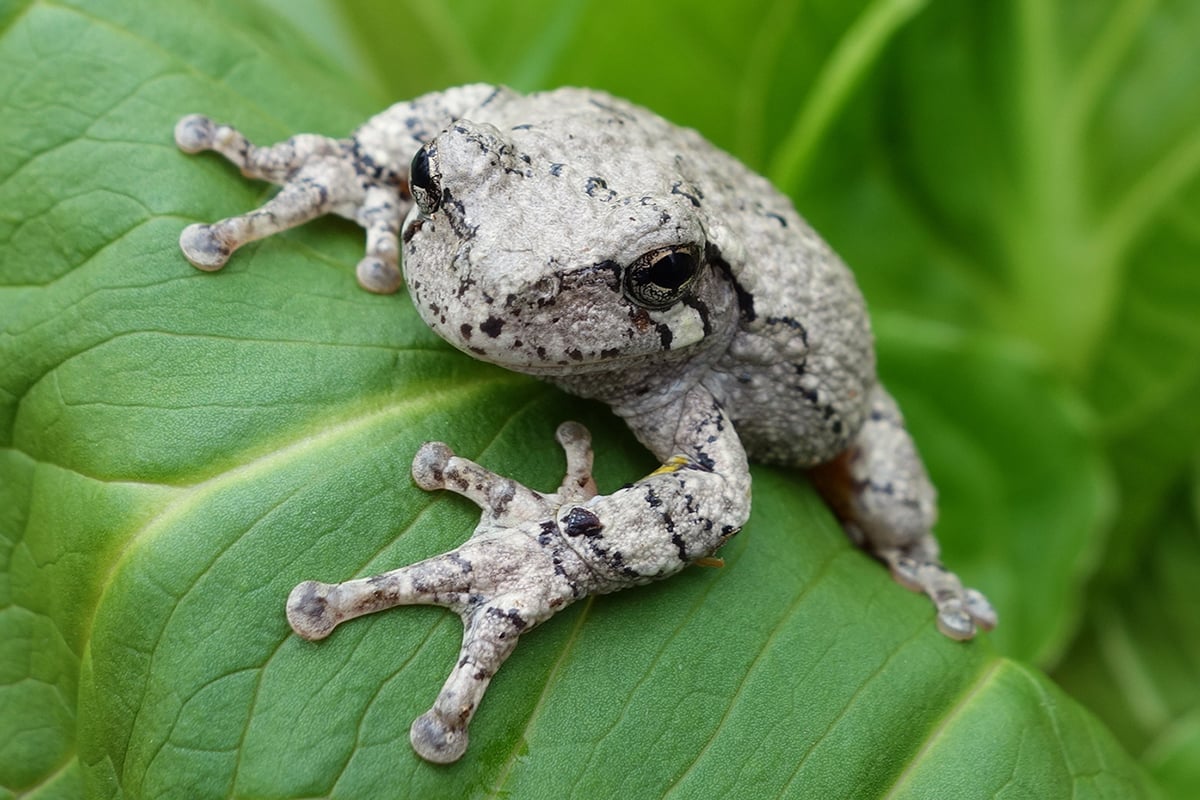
(657, 279)
(423, 183)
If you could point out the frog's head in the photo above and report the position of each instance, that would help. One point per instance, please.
(560, 249)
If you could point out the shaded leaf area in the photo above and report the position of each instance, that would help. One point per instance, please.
(179, 449)
(1139, 654)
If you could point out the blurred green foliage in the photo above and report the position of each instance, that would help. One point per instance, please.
(1015, 185)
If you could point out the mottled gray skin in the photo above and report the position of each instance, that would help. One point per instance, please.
(574, 236)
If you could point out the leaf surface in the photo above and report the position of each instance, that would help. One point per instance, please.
(179, 449)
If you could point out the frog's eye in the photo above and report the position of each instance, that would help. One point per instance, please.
(657, 279)
(423, 183)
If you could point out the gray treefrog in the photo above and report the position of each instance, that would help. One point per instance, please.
(580, 238)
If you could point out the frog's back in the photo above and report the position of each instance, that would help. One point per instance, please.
(797, 372)
(796, 376)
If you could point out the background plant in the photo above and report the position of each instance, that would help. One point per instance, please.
(1014, 184)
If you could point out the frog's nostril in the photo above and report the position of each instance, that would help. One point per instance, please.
(545, 288)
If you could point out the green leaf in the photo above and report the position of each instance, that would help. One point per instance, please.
(1041, 117)
(179, 449)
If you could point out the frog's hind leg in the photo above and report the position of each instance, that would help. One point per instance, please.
(880, 489)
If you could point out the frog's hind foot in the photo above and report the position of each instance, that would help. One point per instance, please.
(880, 490)
(960, 610)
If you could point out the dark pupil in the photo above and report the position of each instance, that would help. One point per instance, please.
(672, 270)
(418, 174)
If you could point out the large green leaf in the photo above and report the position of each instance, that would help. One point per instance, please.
(179, 449)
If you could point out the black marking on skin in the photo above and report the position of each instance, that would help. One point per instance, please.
(665, 336)
(712, 254)
(617, 559)
(364, 165)
(500, 500)
(620, 116)
(772, 215)
(792, 324)
(463, 286)
(680, 546)
(321, 189)
(598, 188)
(581, 522)
(613, 558)
(512, 616)
(462, 563)
(549, 531)
(559, 570)
(411, 230)
(607, 271)
(888, 488)
(556, 169)
(701, 308)
(694, 198)
(575, 354)
(718, 417)
(456, 214)
(676, 538)
(610, 352)
(495, 93)
(492, 326)
(465, 330)
(526, 126)
(652, 498)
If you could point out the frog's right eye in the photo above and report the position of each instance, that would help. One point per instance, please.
(656, 280)
(423, 183)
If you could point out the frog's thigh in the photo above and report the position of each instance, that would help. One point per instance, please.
(881, 491)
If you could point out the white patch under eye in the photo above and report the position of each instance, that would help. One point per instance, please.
(685, 323)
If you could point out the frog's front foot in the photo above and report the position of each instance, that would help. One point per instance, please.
(319, 176)
(514, 572)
